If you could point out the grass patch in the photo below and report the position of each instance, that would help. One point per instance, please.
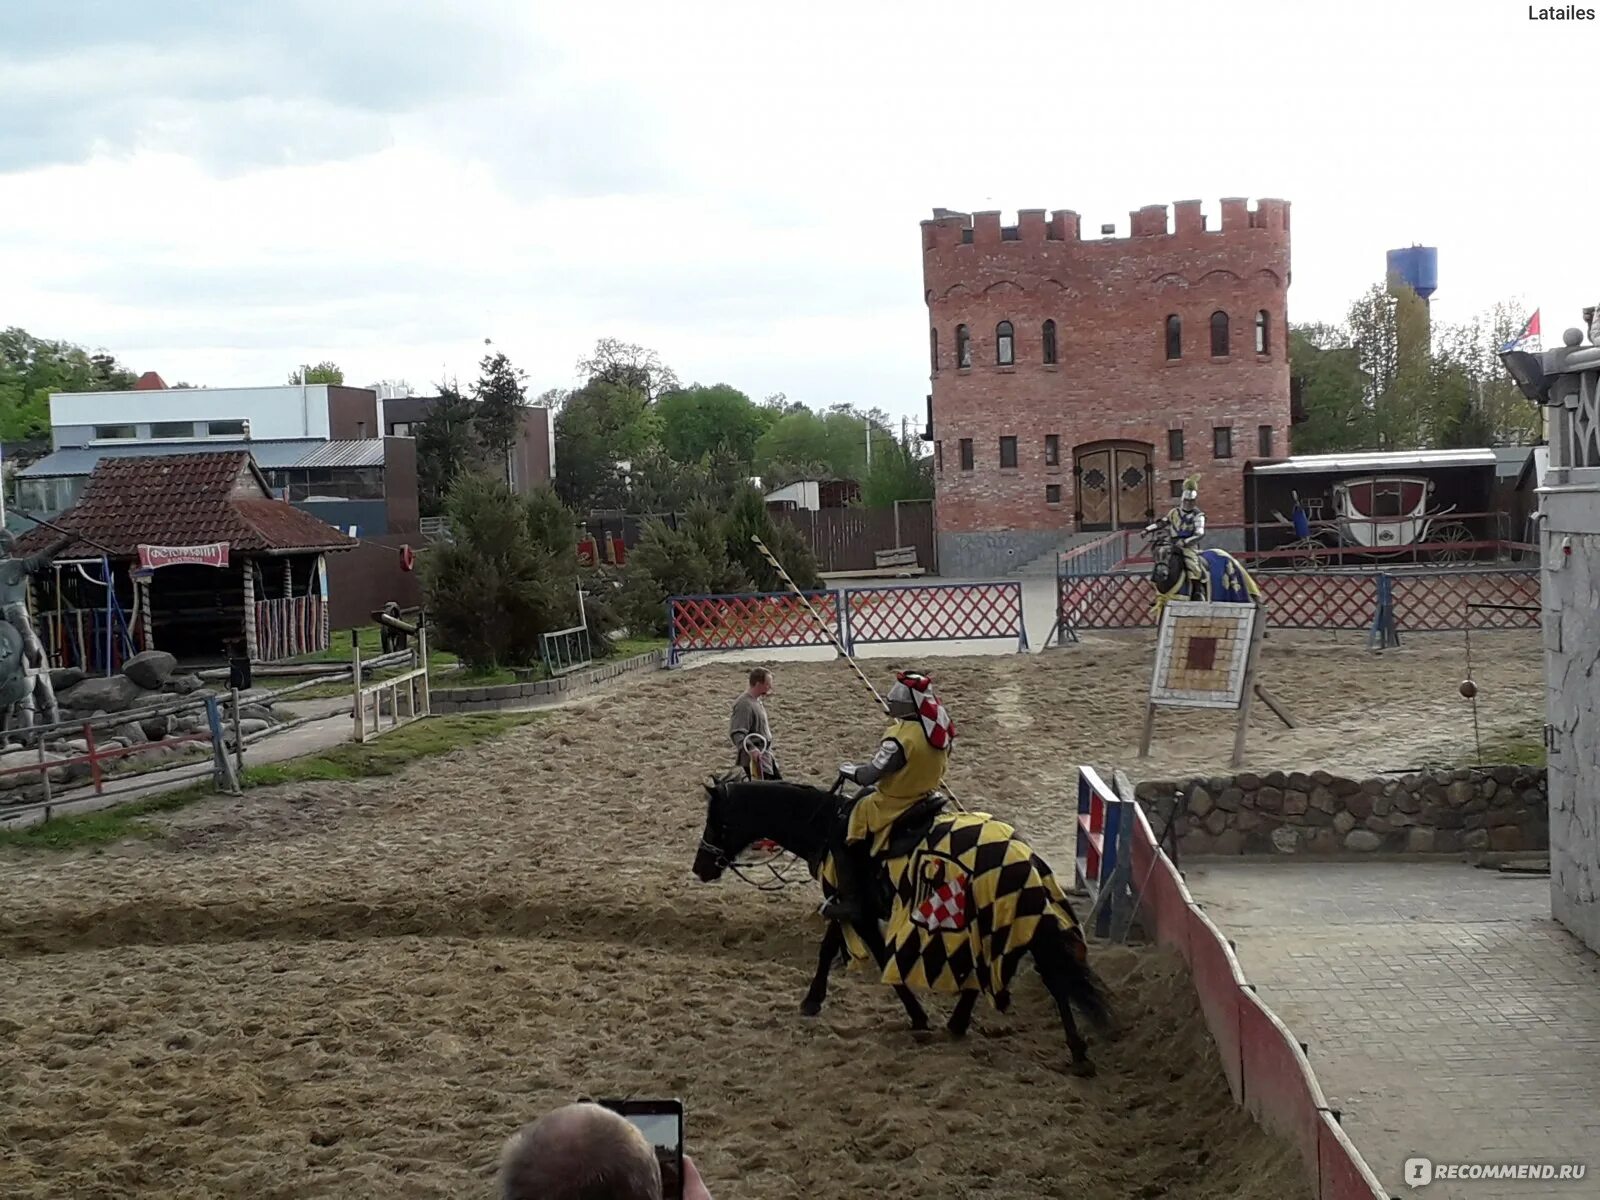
(387, 755)
(1512, 750)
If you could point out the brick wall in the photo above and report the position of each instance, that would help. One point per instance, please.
(1112, 381)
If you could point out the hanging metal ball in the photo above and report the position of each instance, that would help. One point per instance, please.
(1468, 688)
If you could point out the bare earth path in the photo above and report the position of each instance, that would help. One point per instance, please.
(358, 990)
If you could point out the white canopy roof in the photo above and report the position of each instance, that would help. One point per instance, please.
(1376, 461)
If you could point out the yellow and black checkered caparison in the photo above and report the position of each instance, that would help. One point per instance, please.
(1007, 893)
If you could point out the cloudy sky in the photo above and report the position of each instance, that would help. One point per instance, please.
(218, 190)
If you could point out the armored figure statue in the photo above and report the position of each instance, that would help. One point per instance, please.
(20, 648)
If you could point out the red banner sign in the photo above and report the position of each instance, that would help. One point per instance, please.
(213, 555)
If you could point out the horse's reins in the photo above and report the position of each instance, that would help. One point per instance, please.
(782, 877)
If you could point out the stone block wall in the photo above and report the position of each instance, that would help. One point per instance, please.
(1434, 812)
(545, 691)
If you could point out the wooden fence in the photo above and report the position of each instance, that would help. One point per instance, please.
(848, 539)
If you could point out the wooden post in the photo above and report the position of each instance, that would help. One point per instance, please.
(1258, 626)
(94, 759)
(252, 649)
(1149, 728)
(238, 736)
(295, 646)
(422, 660)
(356, 706)
(44, 773)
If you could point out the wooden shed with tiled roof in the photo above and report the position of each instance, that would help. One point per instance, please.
(200, 555)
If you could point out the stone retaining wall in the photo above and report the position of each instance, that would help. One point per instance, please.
(546, 691)
(1434, 812)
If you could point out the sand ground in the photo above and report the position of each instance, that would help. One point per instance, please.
(359, 990)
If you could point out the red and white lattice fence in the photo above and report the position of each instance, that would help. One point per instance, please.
(750, 622)
(855, 616)
(1422, 601)
(936, 612)
(1266, 1069)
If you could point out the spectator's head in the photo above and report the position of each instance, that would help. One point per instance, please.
(760, 681)
(580, 1152)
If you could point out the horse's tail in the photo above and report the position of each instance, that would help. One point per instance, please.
(1063, 952)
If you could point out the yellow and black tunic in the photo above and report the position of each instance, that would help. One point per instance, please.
(916, 771)
(968, 901)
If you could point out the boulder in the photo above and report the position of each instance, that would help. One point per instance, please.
(1419, 840)
(1362, 839)
(1505, 837)
(248, 725)
(1359, 806)
(111, 693)
(12, 759)
(1269, 799)
(150, 668)
(1231, 799)
(1294, 804)
(1324, 799)
(182, 685)
(1460, 792)
(1216, 821)
(1200, 802)
(1476, 839)
(63, 678)
(255, 712)
(154, 728)
(1285, 839)
(132, 733)
(1344, 822)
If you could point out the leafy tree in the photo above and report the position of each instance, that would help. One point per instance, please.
(697, 420)
(496, 587)
(447, 447)
(627, 365)
(31, 368)
(501, 399)
(598, 427)
(899, 472)
(1330, 386)
(657, 484)
(323, 372)
(837, 439)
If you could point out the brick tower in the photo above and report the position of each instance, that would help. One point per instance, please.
(1077, 382)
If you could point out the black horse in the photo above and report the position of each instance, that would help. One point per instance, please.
(800, 818)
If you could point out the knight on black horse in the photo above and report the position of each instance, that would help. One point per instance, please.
(945, 902)
(1181, 570)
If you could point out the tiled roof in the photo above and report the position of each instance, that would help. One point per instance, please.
(185, 500)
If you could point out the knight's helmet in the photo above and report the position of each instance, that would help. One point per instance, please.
(1191, 491)
(901, 700)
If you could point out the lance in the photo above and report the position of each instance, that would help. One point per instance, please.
(77, 537)
(772, 561)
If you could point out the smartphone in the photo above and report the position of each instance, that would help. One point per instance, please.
(661, 1122)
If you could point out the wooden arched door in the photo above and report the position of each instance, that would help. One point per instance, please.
(1115, 489)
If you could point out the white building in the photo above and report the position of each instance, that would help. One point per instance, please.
(1567, 382)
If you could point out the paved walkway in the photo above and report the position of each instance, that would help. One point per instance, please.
(1447, 1014)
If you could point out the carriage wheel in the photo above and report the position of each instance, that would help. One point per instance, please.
(1309, 556)
(1456, 538)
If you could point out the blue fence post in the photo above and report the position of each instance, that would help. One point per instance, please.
(1384, 632)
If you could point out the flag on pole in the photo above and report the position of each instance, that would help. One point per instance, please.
(1528, 339)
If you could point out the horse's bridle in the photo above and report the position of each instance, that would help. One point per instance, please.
(782, 877)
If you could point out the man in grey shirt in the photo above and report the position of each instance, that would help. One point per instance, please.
(749, 721)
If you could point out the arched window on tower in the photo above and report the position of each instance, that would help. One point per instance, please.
(1219, 334)
(1005, 345)
(963, 347)
(1174, 336)
(933, 349)
(1048, 339)
(1263, 341)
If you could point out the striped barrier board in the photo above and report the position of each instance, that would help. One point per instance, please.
(1266, 1068)
(1100, 826)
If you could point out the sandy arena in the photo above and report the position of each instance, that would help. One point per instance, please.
(339, 990)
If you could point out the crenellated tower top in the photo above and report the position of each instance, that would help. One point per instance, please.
(949, 229)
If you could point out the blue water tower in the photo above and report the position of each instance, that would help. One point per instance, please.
(1418, 269)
